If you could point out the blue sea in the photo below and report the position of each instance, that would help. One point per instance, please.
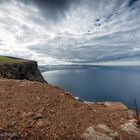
(97, 83)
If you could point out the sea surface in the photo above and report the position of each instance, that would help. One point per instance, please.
(98, 83)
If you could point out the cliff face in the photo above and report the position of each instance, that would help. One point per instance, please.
(21, 69)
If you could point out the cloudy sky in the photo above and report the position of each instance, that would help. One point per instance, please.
(71, 31)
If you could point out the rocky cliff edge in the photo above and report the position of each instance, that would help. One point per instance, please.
(15, 68)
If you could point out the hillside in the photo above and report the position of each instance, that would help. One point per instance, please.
(15, 68)
(34, 110)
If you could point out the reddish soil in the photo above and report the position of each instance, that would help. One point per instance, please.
(39, 111)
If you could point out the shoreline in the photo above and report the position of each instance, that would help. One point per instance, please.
(32, 109)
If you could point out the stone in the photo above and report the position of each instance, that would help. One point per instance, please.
(31, 123)
(37, 98)
(13, 123)
(100, 132)
(2, 130)
(115, 134)
(42, 123)
(91, 134)
(104, 128)
(131, 128)
(115, 105)
(107, 130)
(38, 116)
(28, 114)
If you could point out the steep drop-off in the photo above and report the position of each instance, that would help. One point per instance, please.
(13, 68)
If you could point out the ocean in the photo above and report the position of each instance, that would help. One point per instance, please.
(98, 83)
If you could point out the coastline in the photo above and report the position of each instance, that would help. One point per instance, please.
(32, 109)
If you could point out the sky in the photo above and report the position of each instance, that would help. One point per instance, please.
(71, 31)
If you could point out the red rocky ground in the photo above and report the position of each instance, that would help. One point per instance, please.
(39, 111)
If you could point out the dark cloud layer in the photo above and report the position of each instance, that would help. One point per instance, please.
(51, 9)
(131, 2)
(56, 9)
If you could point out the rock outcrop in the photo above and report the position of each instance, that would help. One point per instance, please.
(21, 69)
(103, 132)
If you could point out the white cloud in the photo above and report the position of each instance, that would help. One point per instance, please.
(93, 31)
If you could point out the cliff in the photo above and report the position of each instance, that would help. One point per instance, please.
(14, 68)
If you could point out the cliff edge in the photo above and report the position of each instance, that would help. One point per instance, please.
(15, 68)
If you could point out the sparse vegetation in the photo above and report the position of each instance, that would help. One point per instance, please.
(16, 68)
(7, 59)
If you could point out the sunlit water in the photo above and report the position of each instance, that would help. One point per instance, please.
(99, 83)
